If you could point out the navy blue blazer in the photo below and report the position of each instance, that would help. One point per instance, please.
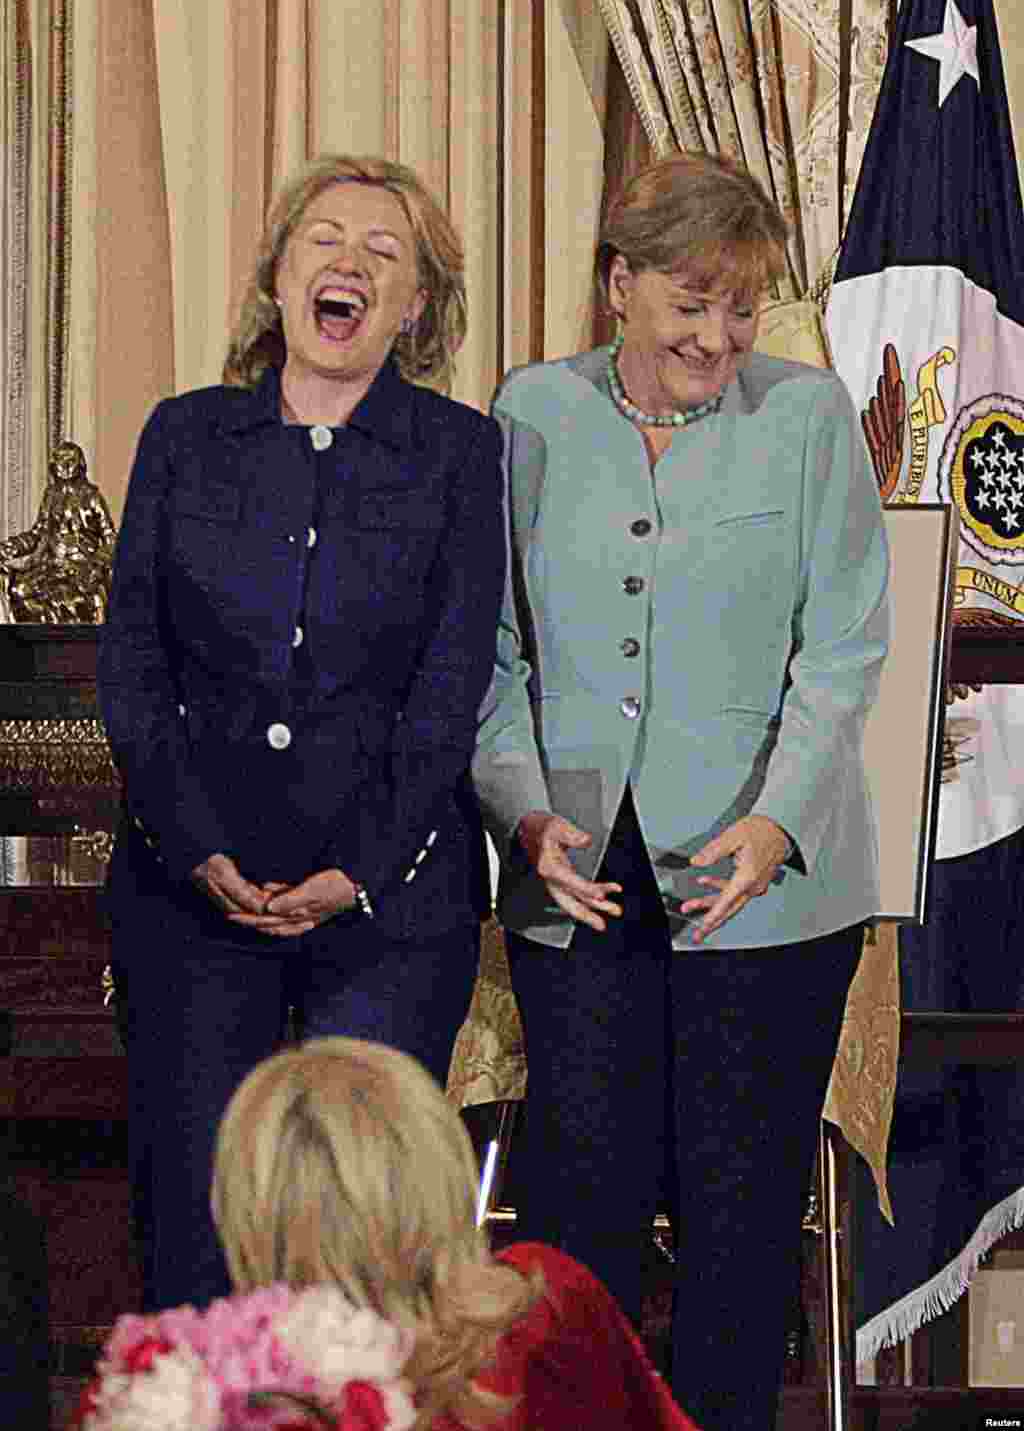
(298, 638)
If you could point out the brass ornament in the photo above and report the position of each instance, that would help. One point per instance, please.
(45, 755)
(95, 845)
(59, 570)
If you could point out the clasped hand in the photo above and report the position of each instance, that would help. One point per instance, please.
(274, 908)
(757, 845)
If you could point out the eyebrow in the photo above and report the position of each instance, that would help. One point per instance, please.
(681, 286)
(371, 233)
(687, 285)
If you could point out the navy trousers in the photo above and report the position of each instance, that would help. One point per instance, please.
(196, 1017)
(699, 1075)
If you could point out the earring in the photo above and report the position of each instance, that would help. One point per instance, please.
(407, 325)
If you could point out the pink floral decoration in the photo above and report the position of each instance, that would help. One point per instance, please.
(267, 1360)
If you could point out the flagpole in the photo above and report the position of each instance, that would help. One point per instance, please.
(837, 1340)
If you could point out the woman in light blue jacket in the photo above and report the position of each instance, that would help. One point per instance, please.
(670, 765)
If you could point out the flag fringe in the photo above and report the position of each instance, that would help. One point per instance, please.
(937, 1295)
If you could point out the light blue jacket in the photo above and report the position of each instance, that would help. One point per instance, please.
(711, 631)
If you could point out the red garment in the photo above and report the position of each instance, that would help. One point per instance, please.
(575, 1361)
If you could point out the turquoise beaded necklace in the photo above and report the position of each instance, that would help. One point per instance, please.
(645, 419)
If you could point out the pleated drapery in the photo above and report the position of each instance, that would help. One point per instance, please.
(188, 117)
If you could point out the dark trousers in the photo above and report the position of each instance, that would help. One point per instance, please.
(704, 1073)
(197, 1017)
(24, 1314)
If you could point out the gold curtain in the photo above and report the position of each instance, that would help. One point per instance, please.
(35, 136)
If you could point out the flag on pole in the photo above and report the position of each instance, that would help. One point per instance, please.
(926, 324)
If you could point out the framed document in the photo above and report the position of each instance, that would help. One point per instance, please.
(903, 736)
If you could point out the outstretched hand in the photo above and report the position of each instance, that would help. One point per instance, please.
(758, 847)
(547, 840)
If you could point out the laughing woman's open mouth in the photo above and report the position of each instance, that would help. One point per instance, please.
(339, 312)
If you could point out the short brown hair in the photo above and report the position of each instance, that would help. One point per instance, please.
(699, 212)
(343, 1161)
(427, 353)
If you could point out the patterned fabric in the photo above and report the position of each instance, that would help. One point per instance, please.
(772, 83)
(489, 1060)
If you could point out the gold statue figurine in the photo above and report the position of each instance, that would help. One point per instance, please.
(59, 570)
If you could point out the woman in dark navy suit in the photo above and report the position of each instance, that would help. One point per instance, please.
(300, 630)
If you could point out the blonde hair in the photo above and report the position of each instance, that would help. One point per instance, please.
(343, 1161)
(697, 212)
(426, 354)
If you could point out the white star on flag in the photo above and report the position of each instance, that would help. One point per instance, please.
(955, 48)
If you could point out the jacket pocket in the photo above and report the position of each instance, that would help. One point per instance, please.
(734, 520)
(212, 502)
(756, 716)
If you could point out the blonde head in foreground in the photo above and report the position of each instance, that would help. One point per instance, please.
(343, 1161)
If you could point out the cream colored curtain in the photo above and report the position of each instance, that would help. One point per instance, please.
(189, 116)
